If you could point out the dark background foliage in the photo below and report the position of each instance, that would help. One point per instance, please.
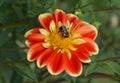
(18, 16)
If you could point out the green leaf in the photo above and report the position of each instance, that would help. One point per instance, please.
(102, 80)
(1, 1)
(40, 6)
(29, 4)
(4, 37)
(24, 69)
(97, 24)
(18, 11)
(79, 13)
(90, 69)
(16, 78)
(112, 67)
(2, 79)
(116, 32)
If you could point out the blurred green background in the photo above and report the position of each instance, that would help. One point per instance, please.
(18, 16)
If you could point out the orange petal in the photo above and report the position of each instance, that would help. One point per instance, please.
(82, 50)
(86, 30)
(60, 16)
(36, 37)
(29, 43)
(45, 20)
(74, 20)
(73, 66)
(89, 46)
(34, 50)
(83, 57)
(43, 57)
(34, 30)
(56, 65)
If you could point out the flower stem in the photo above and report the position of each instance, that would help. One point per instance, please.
(109, 59)
(12, 62)
(14, 25)
(104, 10)
(12, 49)
(92, 75)
(102, 75)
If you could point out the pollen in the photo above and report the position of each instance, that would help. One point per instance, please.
(55, 39)
(60, 42)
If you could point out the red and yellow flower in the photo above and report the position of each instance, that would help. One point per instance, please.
(49, 47)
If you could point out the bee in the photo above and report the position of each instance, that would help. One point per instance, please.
(64, 31)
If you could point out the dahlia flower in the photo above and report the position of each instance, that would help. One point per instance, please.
(63, 43)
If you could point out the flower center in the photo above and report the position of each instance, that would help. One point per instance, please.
(61, 39)
(58, 41)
